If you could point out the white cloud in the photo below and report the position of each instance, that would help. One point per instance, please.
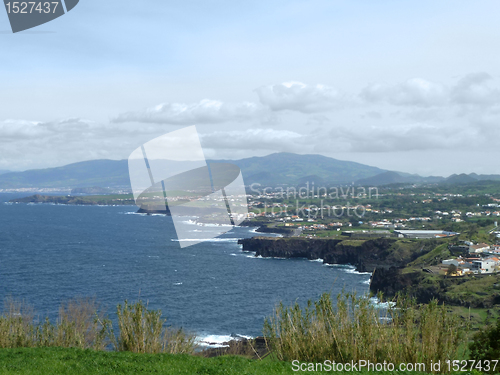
(11, 130)
(33, 144)
(414, 92)
(471, 90)
(475, 90)
(252, 139)
(205, 111)
(416, 115)
(298, 96)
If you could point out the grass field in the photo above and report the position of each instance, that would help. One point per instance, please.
(58, 361)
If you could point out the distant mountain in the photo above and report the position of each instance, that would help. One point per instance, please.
(485, 177)
(385, 178)
(3, 171)
(389, 177)
(470, 178)
(294, 169)
(271, 170)
(102, 173)
(455, 179)
(280, 169)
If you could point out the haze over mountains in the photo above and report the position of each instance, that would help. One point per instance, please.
(271, 170)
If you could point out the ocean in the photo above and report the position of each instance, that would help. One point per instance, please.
(51, 253)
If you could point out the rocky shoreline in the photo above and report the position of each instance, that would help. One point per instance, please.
(383, 257)
(366, 256)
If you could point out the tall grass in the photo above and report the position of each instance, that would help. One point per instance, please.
(144, 331)
(16, 325)
(354, 329)
(82, 324)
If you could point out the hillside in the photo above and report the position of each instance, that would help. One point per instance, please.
(271, 170)
(290, 169)
(87, 173)
(279, 169)
(389, 177)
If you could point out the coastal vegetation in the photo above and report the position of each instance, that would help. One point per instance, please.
(64, 361)
(82, 324)
(349, 329)
(353, 329)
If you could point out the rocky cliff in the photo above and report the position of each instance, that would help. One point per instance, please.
(385, 257)
(366, 256)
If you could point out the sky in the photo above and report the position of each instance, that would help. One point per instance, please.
(409, 86)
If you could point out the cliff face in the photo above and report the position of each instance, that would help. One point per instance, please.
(288, 247)
(366, 256)
(387, 257)
(390, 280)
(479, 291)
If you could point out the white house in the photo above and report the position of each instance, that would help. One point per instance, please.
(479, 248)
(487, 265)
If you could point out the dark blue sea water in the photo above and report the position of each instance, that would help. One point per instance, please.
(51, 253)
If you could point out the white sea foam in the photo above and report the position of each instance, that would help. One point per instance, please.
(350, 270)
(206, 239)
(177, 283)
(254, 257)
(134, 213)
(269, 258)
(213, 341)
(319, 260)
(214, 225)
(381, 305)
(341, 266)
(217, 341)
(347, 268)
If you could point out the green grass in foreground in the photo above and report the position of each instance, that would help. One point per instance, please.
(59, 361)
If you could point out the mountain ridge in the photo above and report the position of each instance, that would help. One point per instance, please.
(271, 170)
(278, 169)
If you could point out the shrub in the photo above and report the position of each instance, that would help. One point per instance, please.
(143, 331)
(81, 324)
(486, 344)
(354, 329)
(16, 325)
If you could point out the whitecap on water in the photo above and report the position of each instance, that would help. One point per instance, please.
(206, 239)
(217, 341)
(381, 305)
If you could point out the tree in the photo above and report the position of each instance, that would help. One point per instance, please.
(452, 269)
(486, 344)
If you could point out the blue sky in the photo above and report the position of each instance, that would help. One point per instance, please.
(410, 86)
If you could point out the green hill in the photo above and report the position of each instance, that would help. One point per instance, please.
(271, 170)
(292, 169)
